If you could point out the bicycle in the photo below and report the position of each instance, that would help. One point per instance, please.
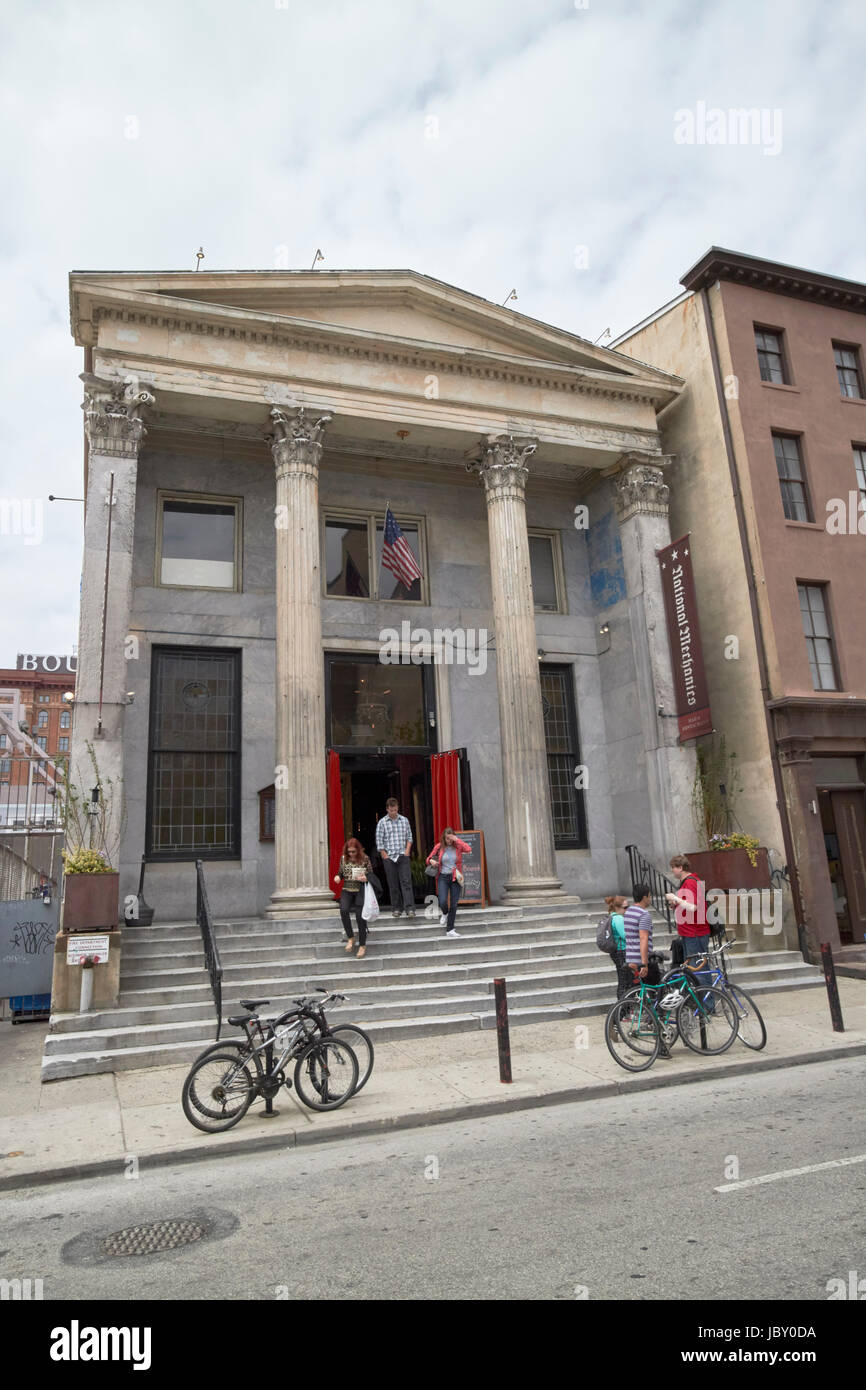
(226, 1078)
(751, 1028)
(636, 1025)
(359, 1041)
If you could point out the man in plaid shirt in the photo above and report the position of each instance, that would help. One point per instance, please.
(394, 841)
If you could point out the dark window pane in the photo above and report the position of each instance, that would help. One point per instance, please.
(543, 573)
(567, 808)
(194, 753)
(198, 544)
(770, 357)
(848, 371)
(346, 560)
(373, 704)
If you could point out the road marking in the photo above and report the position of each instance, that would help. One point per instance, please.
(791, 1173)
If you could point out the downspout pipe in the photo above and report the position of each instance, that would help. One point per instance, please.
(757, 627)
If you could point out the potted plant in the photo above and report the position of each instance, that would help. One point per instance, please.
(730, 859)
(91, 886)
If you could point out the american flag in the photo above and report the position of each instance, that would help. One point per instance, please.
(396, 555)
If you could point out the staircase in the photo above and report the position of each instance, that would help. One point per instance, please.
(412, 983)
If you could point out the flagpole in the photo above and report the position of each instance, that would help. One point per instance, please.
(382, 556)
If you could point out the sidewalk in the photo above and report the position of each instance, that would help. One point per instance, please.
(96, 1124)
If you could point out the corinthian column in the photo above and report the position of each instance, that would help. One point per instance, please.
(641, 498)
(530, 859)
(301, 828)
(115, 431)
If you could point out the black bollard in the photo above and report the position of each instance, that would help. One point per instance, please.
(502, 1039)
(832, 987)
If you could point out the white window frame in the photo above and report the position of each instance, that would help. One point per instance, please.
(373, 519)
(216, 500)
(555, 537)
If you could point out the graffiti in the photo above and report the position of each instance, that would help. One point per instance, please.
(33, 938)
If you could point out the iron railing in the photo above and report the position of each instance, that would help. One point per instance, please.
(211, 953)
(642, 871)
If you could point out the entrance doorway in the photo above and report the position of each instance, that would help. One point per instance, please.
(843, 821)
(366, 783)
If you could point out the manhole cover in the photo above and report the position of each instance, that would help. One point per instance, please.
(149, 1239)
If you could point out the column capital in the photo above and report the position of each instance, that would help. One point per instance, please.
(112, 414)
(297, 439)
(795, 748)
(501, 464)
(639, 486)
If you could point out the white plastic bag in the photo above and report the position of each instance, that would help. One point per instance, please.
(370, 910)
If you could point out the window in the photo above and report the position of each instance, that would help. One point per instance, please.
(65, 719)
(370, 705)
(546, 569)
(789, 464)
(771, 360)
(2, 740)
(847, 361)
(41, 741)
(353, 566)
(5, 768)
(860, 469)
(819, 641)
(199, 542)
(193, 795)
(563, 758)
(42, 722)
(43, 699)
(63, 745)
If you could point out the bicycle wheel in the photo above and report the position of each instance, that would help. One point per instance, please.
(752, 1030)
(632, 1034)
(218, 1091)
(707, 1023)
(326, 1074)
(362, 1046)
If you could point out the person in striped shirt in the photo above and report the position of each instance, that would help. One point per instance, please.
(639, 943)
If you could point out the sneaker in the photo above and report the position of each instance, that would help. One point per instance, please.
(410, 914)
(396, 914)
(452, 932)
(443, 919)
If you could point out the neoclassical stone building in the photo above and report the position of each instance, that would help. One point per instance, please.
(246, 433)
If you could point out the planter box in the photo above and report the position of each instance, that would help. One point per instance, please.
(90, 902)
(729, 869)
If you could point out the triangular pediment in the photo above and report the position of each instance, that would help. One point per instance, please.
(394, 304)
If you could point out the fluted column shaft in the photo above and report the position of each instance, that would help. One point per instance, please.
(530, 858)
(301, 811)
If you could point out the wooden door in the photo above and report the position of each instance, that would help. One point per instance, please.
(849, 813)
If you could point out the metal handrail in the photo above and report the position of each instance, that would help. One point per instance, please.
(642, 871)
(212, 960)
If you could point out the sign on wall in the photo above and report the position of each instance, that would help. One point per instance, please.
(681, 610)
(79, 947)
(48, 665)
(27, 931)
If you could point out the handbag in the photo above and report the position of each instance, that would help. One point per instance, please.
(432, 871)
(370, 910)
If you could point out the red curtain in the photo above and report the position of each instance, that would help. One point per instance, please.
(445, 769)
(336, 832)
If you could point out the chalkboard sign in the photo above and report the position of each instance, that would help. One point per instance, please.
(475, 885)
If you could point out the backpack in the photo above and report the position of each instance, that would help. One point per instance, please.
(604, 937)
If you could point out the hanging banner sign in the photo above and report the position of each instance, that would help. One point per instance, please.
(681, 610)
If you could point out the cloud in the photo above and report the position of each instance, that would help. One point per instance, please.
(133, 135)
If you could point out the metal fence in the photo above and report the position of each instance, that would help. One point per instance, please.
(30, 793)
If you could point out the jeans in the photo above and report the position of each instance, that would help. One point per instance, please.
(697, 946)
(448, 891)
(623, 973)
(399, 875)
(349, 903)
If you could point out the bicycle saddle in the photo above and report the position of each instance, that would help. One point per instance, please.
(237, 1020)
(253, 1004)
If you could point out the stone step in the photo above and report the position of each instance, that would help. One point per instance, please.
(77, 1061)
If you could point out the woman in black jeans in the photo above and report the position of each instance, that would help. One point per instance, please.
(355, 871)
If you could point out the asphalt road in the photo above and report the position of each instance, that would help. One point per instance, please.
(612, 1199)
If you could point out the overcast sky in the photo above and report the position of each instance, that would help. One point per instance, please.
(477, 141)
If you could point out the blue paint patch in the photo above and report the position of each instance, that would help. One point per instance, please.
(606, 570)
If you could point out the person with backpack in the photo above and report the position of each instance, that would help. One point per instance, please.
(610, 937)
(690, 911)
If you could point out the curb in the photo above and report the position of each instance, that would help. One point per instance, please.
(472, 1110)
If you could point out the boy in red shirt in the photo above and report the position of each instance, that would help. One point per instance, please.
(690, 904)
